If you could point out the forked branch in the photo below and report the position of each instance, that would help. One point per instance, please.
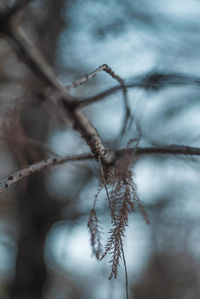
(108, 70)
(134, 152)
(36, 62)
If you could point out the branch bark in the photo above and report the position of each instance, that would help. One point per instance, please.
(35, 61)
(135, 152)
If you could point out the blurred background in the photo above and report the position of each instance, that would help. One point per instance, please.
(44, 239)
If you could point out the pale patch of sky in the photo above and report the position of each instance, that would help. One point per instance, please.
(150, 187)
(126, 53)
(67, 142)
(182, 9)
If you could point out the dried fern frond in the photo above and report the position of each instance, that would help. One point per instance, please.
(115, 242)
(122, 198)
(122, 203)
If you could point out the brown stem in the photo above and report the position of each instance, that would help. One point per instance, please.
(135, 152)
(35, 61)
(36, 167)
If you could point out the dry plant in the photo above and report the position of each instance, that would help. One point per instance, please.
(119, 184)
(122, 198)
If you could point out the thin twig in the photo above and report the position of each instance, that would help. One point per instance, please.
(163, 150)
(135, 152)
(125, 270)
(108, 70)
(164, 80)
(98, 97)
(21, 174)
(33, 59)
(85, 78)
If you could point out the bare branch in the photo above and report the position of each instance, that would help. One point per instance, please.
(137, 151)
(7, 14)
(163, 150)
(32, 57)
(85, 78)
(93, 74)
(152, 81)
(98, 97)
(108, 70)
(21, 174)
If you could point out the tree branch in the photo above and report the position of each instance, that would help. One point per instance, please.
(151, 81)
(7, 14)
(109, 71)
(163, 150)
(35, 61)
(21, 174)
(135, 152)
(93, 74)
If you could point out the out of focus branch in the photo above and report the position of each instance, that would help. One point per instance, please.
(163, 150)
(7, 14)
(135, 152)
(35, 61)
(17, 6)
(109, 71)
(151, 82)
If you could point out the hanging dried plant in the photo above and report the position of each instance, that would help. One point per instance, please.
(122, 199)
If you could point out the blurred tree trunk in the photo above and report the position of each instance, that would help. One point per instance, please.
(37, 211)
